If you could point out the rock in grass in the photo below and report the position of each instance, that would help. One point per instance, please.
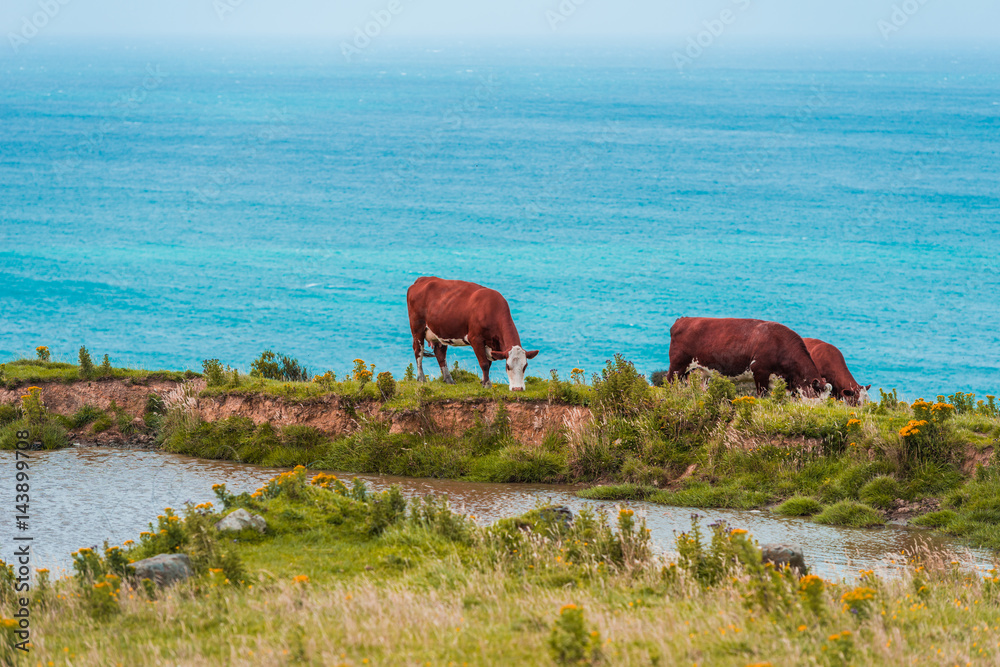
(785, 555)
(241, 519)
(560, 513)
(164, 569)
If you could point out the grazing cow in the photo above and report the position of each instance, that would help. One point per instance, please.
(830, 363)
(454, 312)
(733, 346)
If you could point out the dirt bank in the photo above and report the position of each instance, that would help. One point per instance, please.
(335, 416)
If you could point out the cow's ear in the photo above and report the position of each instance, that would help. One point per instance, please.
(531, 354)
(848, 392)
(497, 355)
(868, 387)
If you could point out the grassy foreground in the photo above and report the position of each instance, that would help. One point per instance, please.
(346, 577)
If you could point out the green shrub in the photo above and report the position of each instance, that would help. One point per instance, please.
(880, 492)
(484, 438)
(618, 492)
(929, 478)
(155, 404)
(86, 364)
(102, 423)
(658, 378)
(105, 370)
(385, 509)
(85, 415)
(593, 457)
(278, 367)
(964, 403)
(462, 376)
(940, 519)
(888, 401)
(9, 413)
(214, 375)
(620, 391)
(851, 514)
(779, 389)
(709, 564)
(799, 506)
(386, 385)
(569, 641)
(520, 464)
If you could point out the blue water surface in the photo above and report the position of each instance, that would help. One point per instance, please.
(167, 203)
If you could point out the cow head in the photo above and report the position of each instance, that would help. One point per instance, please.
(856, 395)
(517, 362)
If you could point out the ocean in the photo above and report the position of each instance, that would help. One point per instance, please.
(165, 203)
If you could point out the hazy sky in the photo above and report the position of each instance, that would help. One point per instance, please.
(782, 21)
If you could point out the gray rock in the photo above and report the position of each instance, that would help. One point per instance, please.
(785, 555)
(241, 519)
(164, 569)
(560, 513)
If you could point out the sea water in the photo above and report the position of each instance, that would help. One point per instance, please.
(168, 203)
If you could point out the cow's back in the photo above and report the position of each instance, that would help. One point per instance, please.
(726, 344)
(447, 307)
(730, 345)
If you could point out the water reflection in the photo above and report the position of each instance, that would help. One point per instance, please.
(83, 496)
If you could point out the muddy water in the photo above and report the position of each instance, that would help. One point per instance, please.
(82, 496)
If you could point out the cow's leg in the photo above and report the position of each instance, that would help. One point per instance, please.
(483, 358)
(418, 354)
(441, 352)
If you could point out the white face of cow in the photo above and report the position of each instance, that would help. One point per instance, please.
(517, 363)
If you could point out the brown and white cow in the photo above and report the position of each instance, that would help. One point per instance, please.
(830, 362)
(454, 312)
(734, 346)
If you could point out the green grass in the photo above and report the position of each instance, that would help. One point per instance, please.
(851, 514)
(24, 372)
(941, 519)
(409, 394)
(799, 506)
(323, 586)
(619, 492)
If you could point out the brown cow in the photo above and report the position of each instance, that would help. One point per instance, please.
(733, 346)
(830, 362)
(454, 312)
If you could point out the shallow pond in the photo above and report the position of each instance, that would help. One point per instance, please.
(82, 496)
